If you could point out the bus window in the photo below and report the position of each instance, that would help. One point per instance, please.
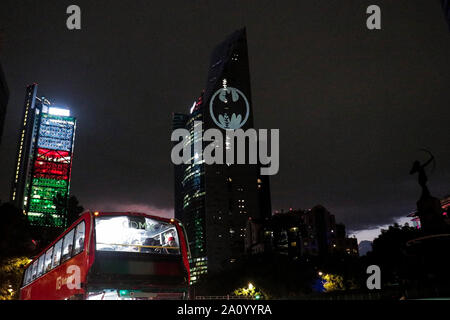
(135, 234)
(67, 246)
(57, 253)
(25, 275)
(34, 272)
(26, 279)
(79, 238)
(30, 271)
(48, 260)
(40, 266)
(170, 242)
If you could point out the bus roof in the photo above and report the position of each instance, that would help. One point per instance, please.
(99, 214)
(130, 213)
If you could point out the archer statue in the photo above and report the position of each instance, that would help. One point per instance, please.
(420, 168)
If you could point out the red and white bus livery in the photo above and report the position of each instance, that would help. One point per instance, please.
(112, 256)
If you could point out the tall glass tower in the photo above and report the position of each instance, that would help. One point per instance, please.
(215, 201)
(44, 161)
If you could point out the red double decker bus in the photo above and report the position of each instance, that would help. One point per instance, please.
(112, 256)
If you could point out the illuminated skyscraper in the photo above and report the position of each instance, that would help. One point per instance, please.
(215, 201)
(44, 161)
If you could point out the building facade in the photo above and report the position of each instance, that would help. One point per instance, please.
(300, 234)
(215, 201)
(41, 180)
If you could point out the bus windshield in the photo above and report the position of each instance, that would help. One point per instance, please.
(135, 234)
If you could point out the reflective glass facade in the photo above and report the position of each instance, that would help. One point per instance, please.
(215, 201)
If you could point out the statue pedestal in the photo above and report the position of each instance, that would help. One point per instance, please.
(430, 212)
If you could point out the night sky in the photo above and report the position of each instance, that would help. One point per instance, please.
(353, 106)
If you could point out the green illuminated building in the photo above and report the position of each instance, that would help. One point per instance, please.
(41, 181)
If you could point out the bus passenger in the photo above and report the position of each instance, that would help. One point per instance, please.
(150, 242)
(171, 244)
(68, 254)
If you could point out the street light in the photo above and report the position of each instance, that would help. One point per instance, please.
(250, 286)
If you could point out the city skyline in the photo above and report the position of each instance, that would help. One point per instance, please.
(348, 138)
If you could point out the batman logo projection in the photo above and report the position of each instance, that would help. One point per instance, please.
(229, 108)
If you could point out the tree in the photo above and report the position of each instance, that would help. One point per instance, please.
(11, 271)
(250, 292)
(389, 252)
(69, 209)
(16, 246)
(74, 209)
(278, 276)
(333, 282)
(15, 234)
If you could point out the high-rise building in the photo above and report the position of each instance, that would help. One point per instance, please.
(300, 233)
(44, 161)
(4, 97)
(179, 122)
(215, 201)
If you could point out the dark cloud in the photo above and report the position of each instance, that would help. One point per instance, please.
(352, 105)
